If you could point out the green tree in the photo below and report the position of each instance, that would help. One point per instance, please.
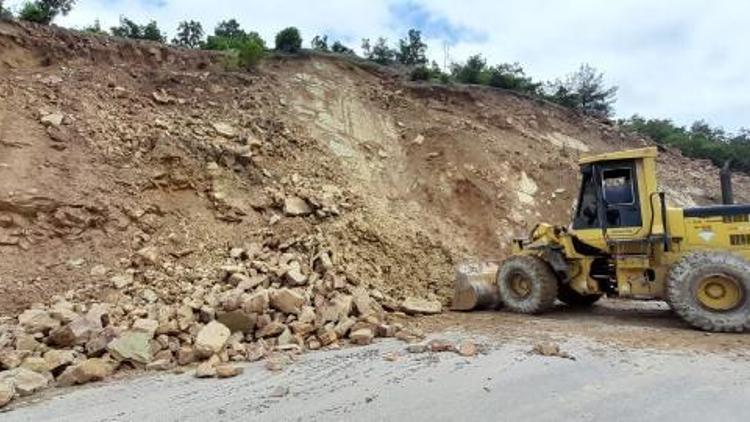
(95, 28)
(130, 29)
(366, 48)
(44, 11)
(412, 50)
(340, 48)
(189, 34)
(251, 52)
(152, 32)
(5, 14)
(471, 72)
(319, 43)
(585, 91)
(381, 53)
(229, 29)
(289, 40)
(512, 76)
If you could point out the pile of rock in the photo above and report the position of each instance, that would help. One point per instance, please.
(264, 300)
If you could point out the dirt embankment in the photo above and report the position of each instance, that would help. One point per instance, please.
(146, 193)
(108, 146)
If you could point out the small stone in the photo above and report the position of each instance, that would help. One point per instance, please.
(211, 338)
(385, 330)
(279, 392)
(467, 349)
(37, 321)
(257, 303)
(419, 140)
(362, 336)
(391, 357)
(7, 392)
(228, 371)
(295, 277)
(122, 281)
(161, 98)
(90, 370)
(327, 336)
(160, 365)
(148, 326)
(149, 296)
(10, 359)
(439, 346)
(416, 348)
(98, 270)
(421, 306)
(205, 370)
(53, 119)
(551, 350)
(148, 255)
(295, 206)
(272, 329)
(225, 129)
(186, 355)
(287, 301)
(74, 333)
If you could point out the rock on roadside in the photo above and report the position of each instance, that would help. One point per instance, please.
(211, 338)
(421, 306)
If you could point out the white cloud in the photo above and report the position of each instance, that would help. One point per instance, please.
(683, 59)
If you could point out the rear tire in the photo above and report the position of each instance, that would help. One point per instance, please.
(572, 298)
(527, 285)
(711, 291)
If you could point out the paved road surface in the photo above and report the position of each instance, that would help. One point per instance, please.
(506, 384)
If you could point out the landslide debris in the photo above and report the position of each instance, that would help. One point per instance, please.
(157, 211)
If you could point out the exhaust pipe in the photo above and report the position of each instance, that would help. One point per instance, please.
(727, 198)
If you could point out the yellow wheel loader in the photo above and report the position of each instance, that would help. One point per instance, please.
(625, 242)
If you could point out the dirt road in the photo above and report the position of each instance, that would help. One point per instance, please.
(626, 374)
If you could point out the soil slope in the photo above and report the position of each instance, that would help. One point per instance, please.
(110, 146)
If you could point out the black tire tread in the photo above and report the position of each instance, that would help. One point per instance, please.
(543, 296)
(680, 297)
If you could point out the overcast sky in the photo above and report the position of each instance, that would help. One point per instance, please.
(684, 60)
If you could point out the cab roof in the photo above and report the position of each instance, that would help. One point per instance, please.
(630, 154)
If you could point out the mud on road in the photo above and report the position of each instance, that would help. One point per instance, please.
(629, 361)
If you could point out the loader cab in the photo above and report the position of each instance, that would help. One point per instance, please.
(617, 198)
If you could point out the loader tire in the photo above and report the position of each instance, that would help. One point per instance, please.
(527, 285)
(572, 298)
(711, 291)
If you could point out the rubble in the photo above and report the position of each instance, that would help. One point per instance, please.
(421, 306)
(7, 392)
(211, 339)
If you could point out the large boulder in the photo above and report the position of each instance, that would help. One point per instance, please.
(7, 392)
(132, 346)
(364, 304)
(287, 301)
(37, 321)
(421, 306)
(238, 320)
(90, 370)
(211, 338)
(257, 302)
(77, 332)
(25, 381)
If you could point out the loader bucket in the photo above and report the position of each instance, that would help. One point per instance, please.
(475, 287)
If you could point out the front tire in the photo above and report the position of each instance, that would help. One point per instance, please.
(711, 291)
(527, 285)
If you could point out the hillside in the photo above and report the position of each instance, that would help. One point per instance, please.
(108, 147)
